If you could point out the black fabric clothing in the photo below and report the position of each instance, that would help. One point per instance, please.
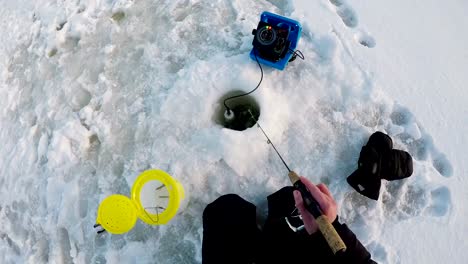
(378, 160)
(381, 142)
(399, 165)
(366, 179)
(231, 235)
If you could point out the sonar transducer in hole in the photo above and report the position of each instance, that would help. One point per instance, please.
(229, 115)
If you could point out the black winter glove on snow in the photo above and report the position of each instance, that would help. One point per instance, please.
(378, 160)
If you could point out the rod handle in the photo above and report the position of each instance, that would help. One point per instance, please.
(331, 236)
(326, 228)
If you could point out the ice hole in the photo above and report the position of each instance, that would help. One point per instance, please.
(240, 106)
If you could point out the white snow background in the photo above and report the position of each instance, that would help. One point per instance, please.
(94, 92)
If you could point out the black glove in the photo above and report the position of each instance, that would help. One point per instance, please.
(378, 160)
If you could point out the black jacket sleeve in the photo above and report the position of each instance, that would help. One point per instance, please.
(355, 252)
(281, 245)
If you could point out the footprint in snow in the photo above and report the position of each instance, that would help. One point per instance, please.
(365, 39)
(440, 202)
(420, 144)
(350, 19)
(405, 199)
(346, 13)
(379, 252)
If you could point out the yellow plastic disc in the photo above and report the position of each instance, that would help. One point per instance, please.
(117, 214)
(157, 196)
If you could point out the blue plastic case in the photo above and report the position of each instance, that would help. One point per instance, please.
(294, 36)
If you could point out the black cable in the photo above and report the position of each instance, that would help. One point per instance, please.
(296, 53)
(258, 85)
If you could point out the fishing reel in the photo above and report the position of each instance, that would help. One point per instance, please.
(271, 40)
(294, 221)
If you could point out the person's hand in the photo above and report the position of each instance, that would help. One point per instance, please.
(324, 199)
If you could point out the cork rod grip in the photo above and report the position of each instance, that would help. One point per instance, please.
(331, 236)
(328, 231)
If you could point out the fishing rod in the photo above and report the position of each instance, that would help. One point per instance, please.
(328, 231)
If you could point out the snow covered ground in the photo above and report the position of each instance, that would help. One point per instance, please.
(92, 93)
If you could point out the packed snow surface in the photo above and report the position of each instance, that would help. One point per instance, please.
(92, 93)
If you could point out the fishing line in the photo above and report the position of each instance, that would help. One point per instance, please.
(269, 141)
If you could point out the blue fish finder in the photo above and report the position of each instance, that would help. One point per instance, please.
(275, 40)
